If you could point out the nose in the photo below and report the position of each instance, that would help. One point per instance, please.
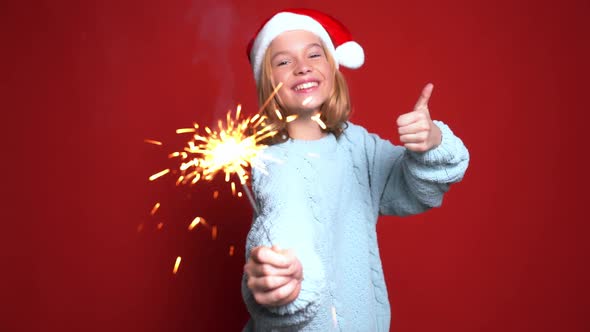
(302, 68)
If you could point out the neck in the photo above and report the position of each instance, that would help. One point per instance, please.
(304, 128)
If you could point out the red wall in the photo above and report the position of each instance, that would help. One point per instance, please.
(86, 82)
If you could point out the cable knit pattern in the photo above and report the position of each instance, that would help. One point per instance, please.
(322, 199)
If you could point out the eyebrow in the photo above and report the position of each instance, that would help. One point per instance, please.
(287, 52)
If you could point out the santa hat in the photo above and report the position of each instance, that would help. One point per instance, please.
(335, 35)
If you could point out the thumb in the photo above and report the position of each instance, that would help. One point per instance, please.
(424, 97)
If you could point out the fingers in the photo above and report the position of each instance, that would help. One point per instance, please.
(416, 129)
(421, 115)
(267, 283)
(279, 296)
(261, 270)
(266, 255)
(414, 138)
(424, 97)
(265, 261)
(274, 275)
(412, 123)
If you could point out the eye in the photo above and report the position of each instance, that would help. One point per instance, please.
(315, 55)
(282, 63)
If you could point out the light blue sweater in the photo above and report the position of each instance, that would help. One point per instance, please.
(322, 199)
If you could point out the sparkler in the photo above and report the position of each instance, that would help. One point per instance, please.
(230, 148)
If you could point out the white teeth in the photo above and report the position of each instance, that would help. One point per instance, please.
(305, 86)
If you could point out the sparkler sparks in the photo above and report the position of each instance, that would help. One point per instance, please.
(176, 265)
(155, 209)
(159, 174)
(319, 121)
(151, 141)
(231, 147)
(195, 222)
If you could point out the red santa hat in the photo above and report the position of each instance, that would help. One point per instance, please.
(335, 35)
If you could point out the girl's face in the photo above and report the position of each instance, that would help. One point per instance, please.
(298, 60)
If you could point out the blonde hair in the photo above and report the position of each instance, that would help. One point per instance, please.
(334, 112)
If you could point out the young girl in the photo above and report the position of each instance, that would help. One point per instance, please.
(312, 257)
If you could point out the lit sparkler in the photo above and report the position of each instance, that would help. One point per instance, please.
(230, 148)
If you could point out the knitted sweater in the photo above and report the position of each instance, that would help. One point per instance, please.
(322, 199)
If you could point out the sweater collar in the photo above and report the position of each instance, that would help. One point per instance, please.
(326, 144)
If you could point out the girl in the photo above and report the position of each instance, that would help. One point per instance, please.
(312, 257)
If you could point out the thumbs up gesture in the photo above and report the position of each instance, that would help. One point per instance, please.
(416, 130)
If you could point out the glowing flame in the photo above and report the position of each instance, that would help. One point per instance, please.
(231, 147)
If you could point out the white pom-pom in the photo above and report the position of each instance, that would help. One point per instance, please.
(350, 55)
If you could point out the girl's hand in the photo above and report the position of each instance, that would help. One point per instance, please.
(274, 275)
(417, 131)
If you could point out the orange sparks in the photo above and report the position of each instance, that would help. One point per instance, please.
(195, 222)
(183, 155)
(231, 250)
(319, 121)
(155, 209)
(254, 118)
(151, 141)
(279, 115)
(274, 92)
(231, 147)
(215, 194)
(214, 232)
(238, 110)
(160, 225)
(186, 130)
(159, 174)
(176, 265)
(290, 118)
(239, 194)
(233, 188)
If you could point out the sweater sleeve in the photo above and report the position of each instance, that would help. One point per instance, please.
(284, 220)
(404, 182)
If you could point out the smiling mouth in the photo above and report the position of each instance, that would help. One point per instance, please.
(305, 86)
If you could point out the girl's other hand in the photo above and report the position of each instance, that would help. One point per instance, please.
(274, 275)
(417, 131)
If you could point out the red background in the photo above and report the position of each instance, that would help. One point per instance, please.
(85, 82)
